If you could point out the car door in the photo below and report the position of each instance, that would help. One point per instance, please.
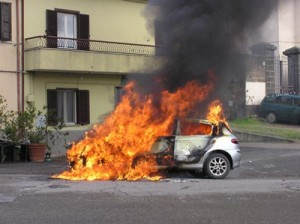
(296, 110)
(285, 108)
(189, 149)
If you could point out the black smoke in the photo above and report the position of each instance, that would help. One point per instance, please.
(200, 35)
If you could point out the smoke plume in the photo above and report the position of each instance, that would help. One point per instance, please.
(202, 35)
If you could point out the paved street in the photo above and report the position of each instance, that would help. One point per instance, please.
(265, 189)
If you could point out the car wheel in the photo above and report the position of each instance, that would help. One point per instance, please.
(217, 166)
(139, 159)
(271, 117)
(136, 160)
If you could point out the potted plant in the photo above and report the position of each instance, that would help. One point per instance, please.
(43, 129)
(32, 127)
(12, 129)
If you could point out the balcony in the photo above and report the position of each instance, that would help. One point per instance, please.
(88, 56)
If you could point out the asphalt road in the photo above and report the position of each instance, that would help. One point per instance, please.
(265, 189)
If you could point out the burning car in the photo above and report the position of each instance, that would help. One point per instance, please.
(199, 146)
(126, 146)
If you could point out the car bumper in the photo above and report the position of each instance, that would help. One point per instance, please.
(236, 158)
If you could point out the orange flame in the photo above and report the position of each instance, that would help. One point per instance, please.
(215, 112)
(107, 152)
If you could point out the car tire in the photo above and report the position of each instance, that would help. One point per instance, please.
(217, 166)
(136, 160)
(139, 159)
(271, 118)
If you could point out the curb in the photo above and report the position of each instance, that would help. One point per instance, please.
(250, 137)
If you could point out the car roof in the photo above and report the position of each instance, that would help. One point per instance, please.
(203, 121)
(196, 120)
(273, 95)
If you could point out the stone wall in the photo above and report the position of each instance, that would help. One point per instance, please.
(262, 67)
(293, 55)
(260, 70)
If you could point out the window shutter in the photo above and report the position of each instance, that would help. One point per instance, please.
(5, 21)
(52, 105)
(83, 29)
(83, 107)
(51, 28)
(158, 26)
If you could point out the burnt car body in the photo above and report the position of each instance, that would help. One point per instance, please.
(199, 146)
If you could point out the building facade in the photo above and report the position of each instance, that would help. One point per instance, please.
(74, 55)
(11, 53)
(78, 54)
(282, 30)
(274, 55)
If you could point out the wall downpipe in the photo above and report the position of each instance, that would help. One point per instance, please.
(19, 72)
(22, 52)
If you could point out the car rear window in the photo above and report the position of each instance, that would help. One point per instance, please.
(297, 102)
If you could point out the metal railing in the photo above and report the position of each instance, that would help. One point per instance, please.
(38, 42)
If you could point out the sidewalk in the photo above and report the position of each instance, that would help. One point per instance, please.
(274, 145)
(58, 165)
(249, 137)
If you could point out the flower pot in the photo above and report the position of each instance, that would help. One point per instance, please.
(36, 152)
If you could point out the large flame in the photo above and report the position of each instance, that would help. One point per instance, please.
(108, 150)
(216, 114)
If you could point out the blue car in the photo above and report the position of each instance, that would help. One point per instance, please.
(280, 107)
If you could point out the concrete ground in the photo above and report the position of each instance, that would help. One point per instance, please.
(265, 189)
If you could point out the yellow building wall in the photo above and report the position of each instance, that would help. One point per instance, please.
(8, 63)
(101, 89)
(110, 20)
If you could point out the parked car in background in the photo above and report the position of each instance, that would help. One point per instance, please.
(280, 107)
(198, 146)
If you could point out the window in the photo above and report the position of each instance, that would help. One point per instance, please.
(66, 105)
(297, 102)
(67, 24)
(193, 128)
(158, 33)
(161, 43)
(5, 21)
(70, 105)
(119, 91)
(67, 28)
(278, 100)
(286, 100)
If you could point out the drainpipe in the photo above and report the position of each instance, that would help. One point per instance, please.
(18, 54)
(22, 54)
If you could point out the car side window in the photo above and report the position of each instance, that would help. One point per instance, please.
(286, 100)
(269, 99)
(297, 102)
(190, 128)
(278, 100)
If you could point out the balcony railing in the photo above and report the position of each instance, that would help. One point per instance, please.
(38, 42)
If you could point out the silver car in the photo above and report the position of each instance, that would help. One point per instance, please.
(199, 146)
